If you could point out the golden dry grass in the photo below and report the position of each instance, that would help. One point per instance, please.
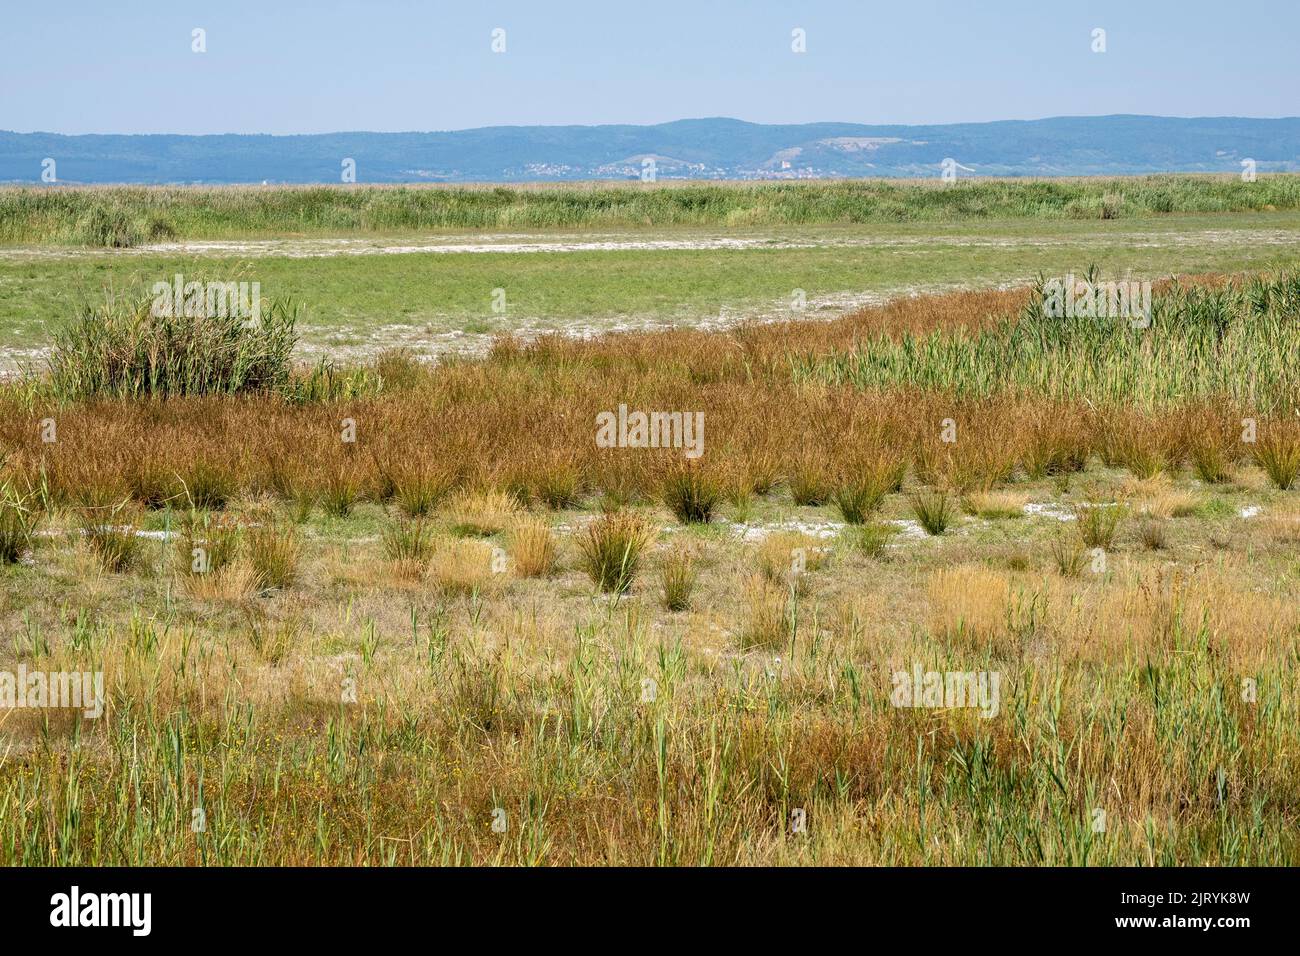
(533, 548)
(383, 703)
(1282, 523)
(786, 558)
(236, 581)
(995, 504)
(465, 566)
(484, 513)
(1157, 498)
(970, 605)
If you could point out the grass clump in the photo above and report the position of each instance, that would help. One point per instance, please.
(340, 493)
(994, 505)
(677, 579)
(18, 519)
(767, 623)
(407, 541)
(273, 551)
(690, 494)
(122, 349)
(1278, 453)
(1068, 555)
(236, 581)
(302, 499)
(274, 640)
(933, 509)
(461, 567)
(787, 558)
(481, 513)
(532, 546)
(398, 369)
(419, 492)
(1158, 499)
(610, 550)
(1098, 523)
(210, 561)
(110, 531)
(207, 486)
(1210, 461)
(559, 486)
(809, 484)
(870, 538)
(108, 227)
(861, 495)
(152, 483)
(1153, 532)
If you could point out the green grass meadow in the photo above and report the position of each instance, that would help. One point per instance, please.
(365, 301)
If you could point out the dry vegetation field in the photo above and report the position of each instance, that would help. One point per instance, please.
(409, 614)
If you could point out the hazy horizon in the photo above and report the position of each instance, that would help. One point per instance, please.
(681, 119)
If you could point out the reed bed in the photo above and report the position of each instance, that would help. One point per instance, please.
(1236, 343)
(124, 216)
(124, 350)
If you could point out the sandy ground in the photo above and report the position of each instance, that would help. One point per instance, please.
(345, 344)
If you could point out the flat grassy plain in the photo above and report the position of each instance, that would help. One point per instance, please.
(438, 624)
(354, 304)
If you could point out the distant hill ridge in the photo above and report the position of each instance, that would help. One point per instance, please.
(686, 149)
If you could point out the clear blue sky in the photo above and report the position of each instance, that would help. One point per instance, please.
(292, 66)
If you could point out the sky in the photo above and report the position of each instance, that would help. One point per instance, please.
(291, 66)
